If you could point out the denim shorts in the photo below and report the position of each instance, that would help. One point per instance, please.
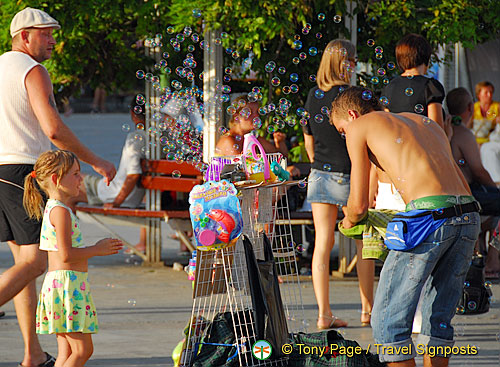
(444, 257)
(328, 187)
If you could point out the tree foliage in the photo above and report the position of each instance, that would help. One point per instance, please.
(97, 44)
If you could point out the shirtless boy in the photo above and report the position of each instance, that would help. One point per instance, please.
(414, 152)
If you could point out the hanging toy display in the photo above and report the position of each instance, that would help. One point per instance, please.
(215, 215)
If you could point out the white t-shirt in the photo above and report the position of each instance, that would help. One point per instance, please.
(130, 164)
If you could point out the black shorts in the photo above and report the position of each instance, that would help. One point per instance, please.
(15, 225)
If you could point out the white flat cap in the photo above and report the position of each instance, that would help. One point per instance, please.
(29, 18)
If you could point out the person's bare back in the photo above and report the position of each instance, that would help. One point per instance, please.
(412, 150)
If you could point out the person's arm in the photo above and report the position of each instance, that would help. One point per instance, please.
(225, 146)
(39, 88)
(128, 186)
(358, 202)
(309, 145)
(279, 145)
(435, 113)
(470, 152)
(61, 220)
(373, 191)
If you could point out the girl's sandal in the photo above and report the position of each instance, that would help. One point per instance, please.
(335, 322)
(366, 323)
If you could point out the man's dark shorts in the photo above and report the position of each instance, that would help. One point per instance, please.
(15, 225)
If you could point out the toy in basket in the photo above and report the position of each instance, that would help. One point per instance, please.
(256, 165)
(215, 215)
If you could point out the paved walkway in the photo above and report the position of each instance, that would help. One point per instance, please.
(142, 311)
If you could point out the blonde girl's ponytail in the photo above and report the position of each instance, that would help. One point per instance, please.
(57, 162)
(32, 198)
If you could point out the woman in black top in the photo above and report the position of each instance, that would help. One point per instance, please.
(329, 179)
(412, 91)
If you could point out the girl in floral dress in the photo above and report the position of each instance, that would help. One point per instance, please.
(65, 305)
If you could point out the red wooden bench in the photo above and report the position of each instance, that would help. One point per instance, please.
(158, 176)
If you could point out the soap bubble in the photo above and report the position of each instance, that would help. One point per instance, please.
(176, 174)
(271, 129)
(325, 110)
(270, 66)
(302, 184)
(313, 51)
(337, 18)
(391, 65)
(275, 81)
(460, 310)
(170, 30)
(472, 305)
(282, 70)
(426, 120)
(297, 45)
(384, 100)
(196, 13)
(140, 100)
(443, 325)
(295, 60)
(319, 94)
(419, 108)
(319, 35)
(318, 118)
(300, 249)
(374, 80)
(379, 56)
(126, 127)
(466, 284)
(286, 89)
(294, 77)
(140, 74)
(137, 110)
(370, 43)
(327, 167)
(321, 17)
(490, 114)
(257, 122)
(302, 56)
(385, 81)
(381, 71)
(312, 78)
(366, 95)
(132, 302)
(409, 92)
(378, 50)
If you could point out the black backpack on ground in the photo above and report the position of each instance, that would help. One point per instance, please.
(476, 294)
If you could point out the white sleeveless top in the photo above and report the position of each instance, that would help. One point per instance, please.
(389, 198)
(21, 139)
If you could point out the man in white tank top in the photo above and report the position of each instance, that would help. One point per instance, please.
(29, 122)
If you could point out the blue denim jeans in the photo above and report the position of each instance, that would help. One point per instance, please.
(444, 257)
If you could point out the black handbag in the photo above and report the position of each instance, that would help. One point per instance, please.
(476, 294)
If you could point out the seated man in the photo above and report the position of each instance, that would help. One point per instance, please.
(466, 153)
(414, 152)
(124, 189)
